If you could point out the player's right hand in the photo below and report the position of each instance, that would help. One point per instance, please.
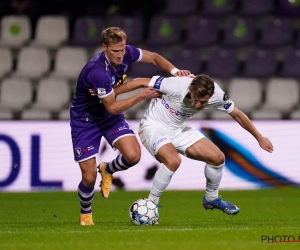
(182, 72)
(266, 144)
(149, 93)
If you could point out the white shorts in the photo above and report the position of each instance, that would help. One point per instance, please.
(154, 137)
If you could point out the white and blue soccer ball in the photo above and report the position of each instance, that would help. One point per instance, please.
(143, 212)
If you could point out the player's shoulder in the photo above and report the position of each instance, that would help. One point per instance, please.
(182, 80)
(95, 71)
(218, 88)
(132, 54)
(219, 94)
(218, 91)
(131, 49)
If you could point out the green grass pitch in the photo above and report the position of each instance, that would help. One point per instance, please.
(49, 220)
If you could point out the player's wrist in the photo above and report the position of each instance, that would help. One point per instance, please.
(174, 71)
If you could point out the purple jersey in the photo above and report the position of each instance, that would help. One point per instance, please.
(90, 121)
(98, 74)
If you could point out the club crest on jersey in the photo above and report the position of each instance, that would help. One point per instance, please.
(78, 152)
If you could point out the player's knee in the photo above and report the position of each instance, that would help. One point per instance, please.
(219, 159)
(133, 157)
(89, 179)
(173, 163)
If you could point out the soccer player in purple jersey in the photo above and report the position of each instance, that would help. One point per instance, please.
(94, 117)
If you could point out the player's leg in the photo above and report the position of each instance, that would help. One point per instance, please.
(170, 160)
(86, 190)
(130, 153)
(205, 150)
(85, 147)
(157, 141)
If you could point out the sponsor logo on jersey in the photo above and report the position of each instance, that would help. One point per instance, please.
(158, 82)
(120, 129)
(158, 142)
(80, 152)
(174, 111)
(90, 147)
(121, 81)
(101, 91)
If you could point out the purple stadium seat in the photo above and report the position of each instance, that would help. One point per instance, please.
(218, 8)
(297, 40)
(164, 31)
(201, 32)
(133, 26)
(288, 8)
(87, 31)
(260, 63)
(239, 31)
(255, 8)
(291, 64)
(140, 69)
(222, 63)
(178, 8)
(275, 32)
(186, 59)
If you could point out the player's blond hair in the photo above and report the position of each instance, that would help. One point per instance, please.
(202, 85)
(113, 35)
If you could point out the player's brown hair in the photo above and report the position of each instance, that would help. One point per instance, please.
(202, 85)
(113, 35)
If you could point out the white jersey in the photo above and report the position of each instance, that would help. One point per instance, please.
(173, 109)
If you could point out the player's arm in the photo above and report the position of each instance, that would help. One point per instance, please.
(161, 62)
(246, 123)
(115, 107)
(132, 85)
(127, 87)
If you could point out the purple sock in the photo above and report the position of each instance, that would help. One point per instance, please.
(118, 164)
(86, 196)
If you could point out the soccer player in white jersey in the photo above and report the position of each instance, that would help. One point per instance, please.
(166, 135)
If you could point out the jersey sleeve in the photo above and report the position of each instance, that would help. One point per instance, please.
(101, 83)
(221, 101)
(166, 85)
(134, 53)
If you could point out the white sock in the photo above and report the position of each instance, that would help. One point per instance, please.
(213, 176)
(162, 179)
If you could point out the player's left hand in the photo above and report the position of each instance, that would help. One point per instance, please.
(266, 144)
(182, 72)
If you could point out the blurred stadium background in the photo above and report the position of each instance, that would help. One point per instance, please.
(251, 48)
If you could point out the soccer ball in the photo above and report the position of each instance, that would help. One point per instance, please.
(143, 212)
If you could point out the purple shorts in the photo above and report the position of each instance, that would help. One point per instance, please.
(86, 139)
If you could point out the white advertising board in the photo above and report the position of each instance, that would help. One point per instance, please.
(38, 156)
